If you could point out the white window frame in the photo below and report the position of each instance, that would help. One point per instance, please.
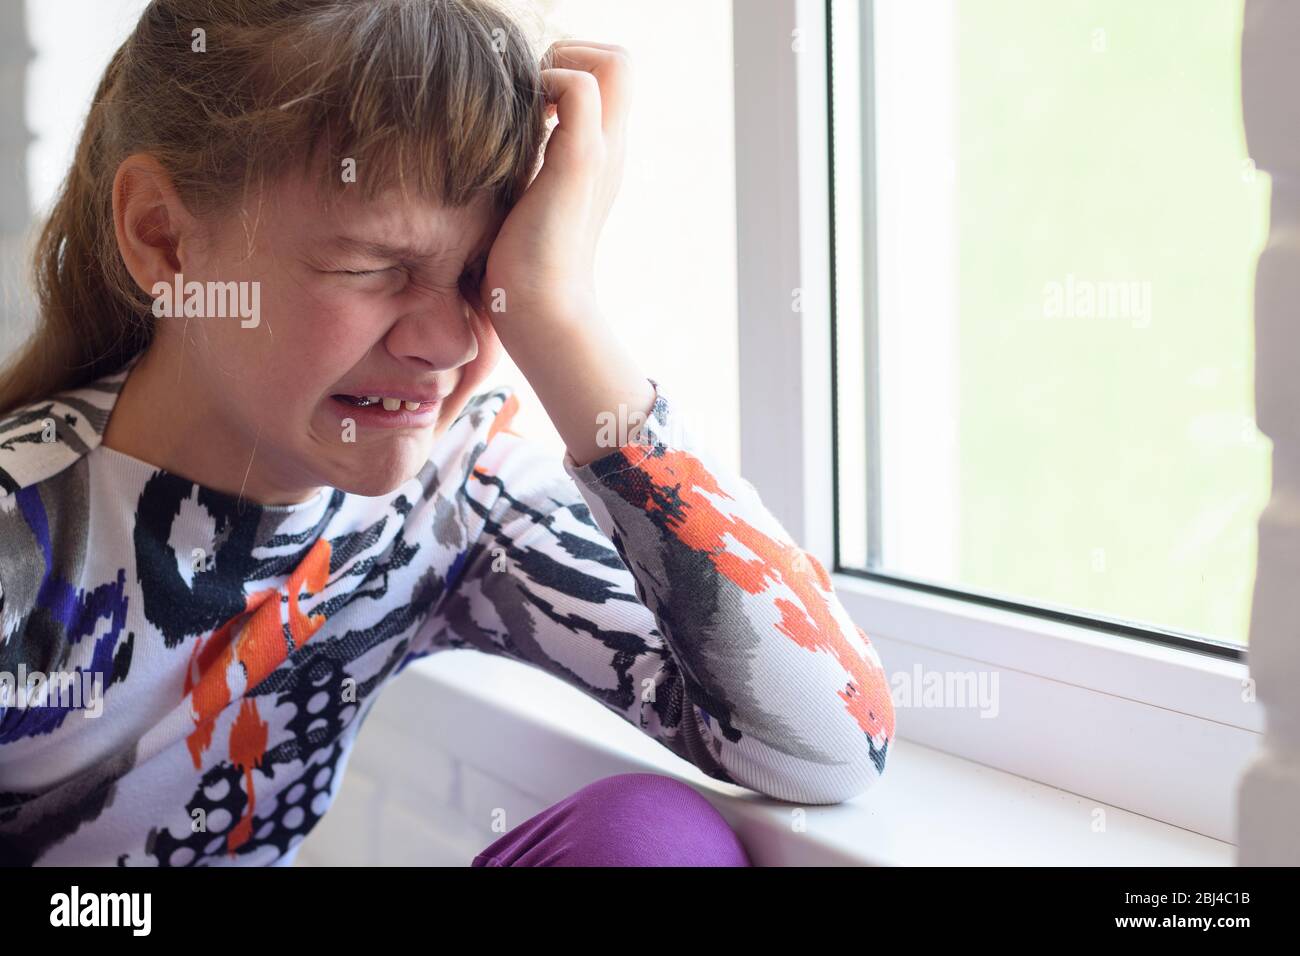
(1159, 730)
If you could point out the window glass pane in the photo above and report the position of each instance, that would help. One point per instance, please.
(1047, 225)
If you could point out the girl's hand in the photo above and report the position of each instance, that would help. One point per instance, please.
(542, 260)
(543, 257)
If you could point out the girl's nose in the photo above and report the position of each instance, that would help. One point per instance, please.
(436, 333)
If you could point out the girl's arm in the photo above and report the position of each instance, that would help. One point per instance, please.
(709, 628)
(703, 624)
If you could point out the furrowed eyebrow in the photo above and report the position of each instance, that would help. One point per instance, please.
(407, 252)
(382, 250)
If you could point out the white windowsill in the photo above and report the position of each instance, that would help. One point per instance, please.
(930, 808)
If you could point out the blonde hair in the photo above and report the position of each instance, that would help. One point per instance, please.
(439, 97)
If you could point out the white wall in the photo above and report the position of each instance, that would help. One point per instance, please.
(73, 41)
(667, 264)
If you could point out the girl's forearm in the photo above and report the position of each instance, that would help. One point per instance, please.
(582, 374)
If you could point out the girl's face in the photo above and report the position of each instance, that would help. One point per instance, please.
(366, 343)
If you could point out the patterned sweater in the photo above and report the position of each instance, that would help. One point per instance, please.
(209, 661)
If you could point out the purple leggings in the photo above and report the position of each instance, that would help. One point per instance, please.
(630, 819)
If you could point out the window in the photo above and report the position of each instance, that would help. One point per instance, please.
(1045, 228)
(1163, 725)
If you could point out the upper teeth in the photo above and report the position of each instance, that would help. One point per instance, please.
(392, 404)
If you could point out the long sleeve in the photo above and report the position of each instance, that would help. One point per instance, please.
(658, 583)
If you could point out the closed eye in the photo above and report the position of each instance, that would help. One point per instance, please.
(472, 280)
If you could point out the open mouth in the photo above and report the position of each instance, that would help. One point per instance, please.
(388, 404)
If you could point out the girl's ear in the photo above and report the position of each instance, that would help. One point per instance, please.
(154, 229)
